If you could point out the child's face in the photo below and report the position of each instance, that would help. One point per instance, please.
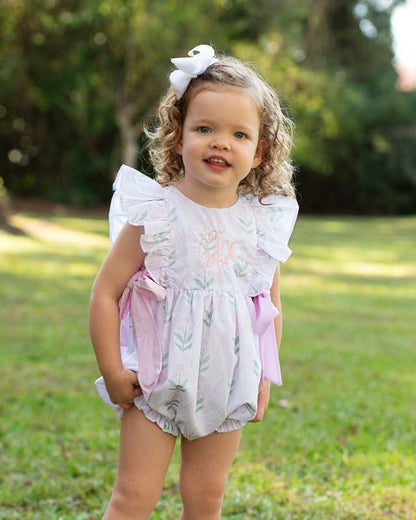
(220, 139)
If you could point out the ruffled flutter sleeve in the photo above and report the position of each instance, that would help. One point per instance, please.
(140, 200)
(276, 217)
(132, 192)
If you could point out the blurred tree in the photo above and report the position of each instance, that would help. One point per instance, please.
(141, 36)
(4, 206)
(332, 61)
(57, 127)
(86, 73)
(355, 43)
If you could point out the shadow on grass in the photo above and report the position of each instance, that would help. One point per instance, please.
(12, 230)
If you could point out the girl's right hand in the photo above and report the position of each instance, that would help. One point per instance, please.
(123, 387)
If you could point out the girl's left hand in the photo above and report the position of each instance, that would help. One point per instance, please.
(262, 400)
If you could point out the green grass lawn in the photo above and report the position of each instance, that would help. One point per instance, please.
(339, 438)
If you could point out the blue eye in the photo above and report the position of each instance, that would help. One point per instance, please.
(240, 135)
(204, 129)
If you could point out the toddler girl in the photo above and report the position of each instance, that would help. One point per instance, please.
(193, 278)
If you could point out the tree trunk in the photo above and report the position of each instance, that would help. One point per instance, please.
(4, 206)
(129, 133)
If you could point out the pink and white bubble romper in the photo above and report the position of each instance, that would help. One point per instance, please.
(197, 319)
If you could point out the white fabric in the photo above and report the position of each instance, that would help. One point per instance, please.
(200, 58)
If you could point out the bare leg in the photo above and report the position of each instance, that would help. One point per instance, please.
(204, 471)
(145, 453)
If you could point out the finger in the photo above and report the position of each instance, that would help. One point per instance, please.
(260, 413)
(137, 391)
(133, 376)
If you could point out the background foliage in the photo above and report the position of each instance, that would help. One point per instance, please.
(80, 78)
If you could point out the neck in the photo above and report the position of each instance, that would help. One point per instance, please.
(211, 198)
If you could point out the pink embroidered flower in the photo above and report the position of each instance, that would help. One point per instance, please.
(215, 251)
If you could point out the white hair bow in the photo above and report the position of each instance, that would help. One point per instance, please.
(201, 57)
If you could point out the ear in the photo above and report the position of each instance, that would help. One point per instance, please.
(258, 156)
(179, 147)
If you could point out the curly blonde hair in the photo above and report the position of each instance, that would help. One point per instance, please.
(273, 175)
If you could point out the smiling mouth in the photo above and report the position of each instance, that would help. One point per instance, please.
(217, 161)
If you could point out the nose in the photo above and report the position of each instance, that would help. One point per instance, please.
(220, 142)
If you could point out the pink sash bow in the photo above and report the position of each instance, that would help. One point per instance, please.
(135, 301)
(264, 324)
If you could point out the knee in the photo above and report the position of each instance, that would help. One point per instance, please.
(204, 498)
(132, 500)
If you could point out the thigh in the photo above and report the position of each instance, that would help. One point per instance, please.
(145, 453)
(206, 461)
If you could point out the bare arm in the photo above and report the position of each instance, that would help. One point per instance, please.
(275, 297)
(122, 261)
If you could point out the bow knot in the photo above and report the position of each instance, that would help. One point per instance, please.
(135, 302)
(200, 58)
(264, 324)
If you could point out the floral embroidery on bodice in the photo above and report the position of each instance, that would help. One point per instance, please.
(214, 250)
